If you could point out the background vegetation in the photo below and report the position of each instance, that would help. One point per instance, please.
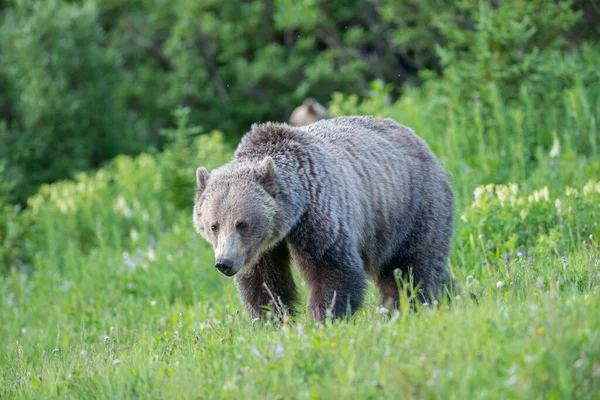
(106, 290)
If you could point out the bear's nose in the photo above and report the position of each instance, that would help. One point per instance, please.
(225, 266)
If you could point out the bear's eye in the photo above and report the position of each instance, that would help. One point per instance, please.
(214, 227)
(241, 227)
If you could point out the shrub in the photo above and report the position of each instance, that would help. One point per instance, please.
(132, 200)
(14, 227)
(61, 104)
(503, 223)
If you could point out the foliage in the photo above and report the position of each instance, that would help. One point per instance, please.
(85, 80)
(501, 224)
(527, 139)
(153, 318)
(180, 158)
(14, 227)
(106, 290)
(61, 107)
(131, 200)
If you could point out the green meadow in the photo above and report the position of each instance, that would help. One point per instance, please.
(107, 292)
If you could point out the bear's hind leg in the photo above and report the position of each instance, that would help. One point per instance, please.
(390, 297)
(432, 275)
(271, 278)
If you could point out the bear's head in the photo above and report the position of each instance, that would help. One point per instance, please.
(310, 111)
(236, 211)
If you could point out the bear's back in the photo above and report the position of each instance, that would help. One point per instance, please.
(371, 134)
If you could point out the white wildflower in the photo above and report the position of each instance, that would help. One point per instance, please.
(503, 194)
(571, 192)
(151, 255)
(512, 380)
(499, 285)
(279, 352)
(478, 193)
(545, 193)
(555, 150)
(533, 308)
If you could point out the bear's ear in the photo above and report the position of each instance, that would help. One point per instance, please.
(201, 178)
(267, 167)
(310, 106)
(266, 175)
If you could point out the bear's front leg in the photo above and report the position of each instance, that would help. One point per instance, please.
(337, 282)
(269, 279)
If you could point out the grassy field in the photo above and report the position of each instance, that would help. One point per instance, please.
(119, 298)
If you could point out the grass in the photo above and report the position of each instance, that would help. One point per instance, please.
(82, 335)
(118, 297)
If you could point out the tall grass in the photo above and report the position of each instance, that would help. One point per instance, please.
(120, 299)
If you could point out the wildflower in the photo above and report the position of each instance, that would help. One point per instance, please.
(151, 255)
(256, 353)
(555, 150)
(499, 285)
(558, 205)
(333, 345)
(529, 358)
(524, 213)
(478, 193)
(545, 193)
(540, 330)
(512, 380)
(279, 353)
(116, 361)
(153, 303)
(591, 187)
(533, 308)
(134, 235)
(521, 252)
(569, 191)
(300, 330)
(122, 208)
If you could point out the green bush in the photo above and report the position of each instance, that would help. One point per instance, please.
(14, 228)
(86, 80)
(506, 43)
(491, 137)
(60, 104)
(502, 223)
(131, 201)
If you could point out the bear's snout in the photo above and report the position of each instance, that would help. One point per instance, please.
(225, 266)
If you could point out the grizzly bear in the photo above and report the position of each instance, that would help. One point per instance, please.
(310, 111)
(345, 199)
